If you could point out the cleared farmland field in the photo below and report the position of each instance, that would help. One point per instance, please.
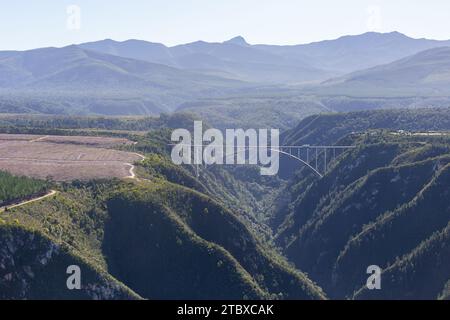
(65, 158)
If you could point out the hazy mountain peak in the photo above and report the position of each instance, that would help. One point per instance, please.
(397, 33)
(142, 43)
(371, 36)
(239, 40)
(384, 34)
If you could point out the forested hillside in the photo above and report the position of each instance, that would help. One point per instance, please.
(231, 150)
(164, 228)
(33, 266)
(71, 125)
(14, 188)
(383, 203)
(329, 128)
(228, 232)
(291, 108)
(161, 227)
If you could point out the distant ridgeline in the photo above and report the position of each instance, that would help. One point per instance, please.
(44, 123)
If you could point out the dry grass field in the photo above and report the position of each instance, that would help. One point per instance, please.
(65, 158)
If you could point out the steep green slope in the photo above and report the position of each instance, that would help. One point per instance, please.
(169, 261)
(308, 190)
(419, 274)
(359, 203)
(32, 266)
(210, 222)
(269, 269)
(336, 226)
(387, 238)
(90, 221)
(181, 243)
(174, 234)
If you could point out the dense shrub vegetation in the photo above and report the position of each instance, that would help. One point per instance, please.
(383, 203)
(223, 233)
(15, 188)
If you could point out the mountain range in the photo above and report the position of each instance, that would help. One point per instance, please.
(75, 73)
(275, 63)
(234, 59)
(136, 77)
(75, 68)
(425, 73)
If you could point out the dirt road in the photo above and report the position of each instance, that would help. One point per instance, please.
(49, 194)
(132, 167)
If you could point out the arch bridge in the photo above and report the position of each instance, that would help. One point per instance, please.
(315, 157)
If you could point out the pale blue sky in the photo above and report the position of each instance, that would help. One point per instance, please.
(36, 23)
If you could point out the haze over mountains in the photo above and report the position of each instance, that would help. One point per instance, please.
(343, 55)
(75, 68)
(351, 53)
(74, 73)
(427, 72)
(136, 77)
(232, 59)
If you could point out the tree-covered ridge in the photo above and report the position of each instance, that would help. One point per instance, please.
(329, 128)
(210, 236)
(14, 188)
(41, 273)
(163, 228)
(423, 247)
(96, 125)
(265, 111)
(377, 203)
